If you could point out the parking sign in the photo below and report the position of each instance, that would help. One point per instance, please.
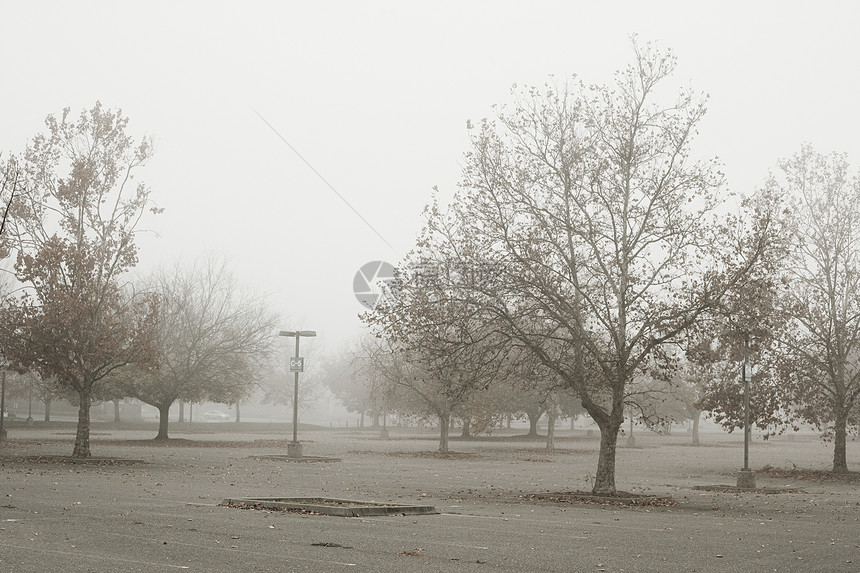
(297, 364)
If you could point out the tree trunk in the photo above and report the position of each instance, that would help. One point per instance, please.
(533, 423)
(467, 429)
(82, 437)
(604, 481)
(181, 412)
(238, 413)
(47, 409)
(696, 417)
(840, 460)
(163, 414)
(550, 429)
(116, 419)
(444, 428)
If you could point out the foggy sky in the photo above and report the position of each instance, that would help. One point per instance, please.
(375, 97)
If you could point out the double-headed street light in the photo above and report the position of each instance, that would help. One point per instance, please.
(297, 364)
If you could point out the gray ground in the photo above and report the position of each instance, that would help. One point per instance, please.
(163, 514)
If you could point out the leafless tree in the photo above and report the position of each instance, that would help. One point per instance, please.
(822, 344)
(602, 233)
(214, 340)
(435, 347)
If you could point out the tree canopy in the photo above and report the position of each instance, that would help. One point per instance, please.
(591, 237)
(72, 235)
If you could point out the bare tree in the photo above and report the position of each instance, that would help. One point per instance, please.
(602, 231)
(11, 184)
(398, 379)
(447, 350)
(350, 377)
(214, 341)
(429, 358)
(822, 344)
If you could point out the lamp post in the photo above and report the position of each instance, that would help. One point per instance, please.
(746, 477)
(2, 404)
(294, 448)
(745, 372)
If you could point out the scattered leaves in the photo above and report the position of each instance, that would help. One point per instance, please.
(821, 476)
(621, 498)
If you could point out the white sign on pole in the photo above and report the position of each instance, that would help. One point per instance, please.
(297, 364)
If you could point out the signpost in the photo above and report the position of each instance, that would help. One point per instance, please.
(746, 477)
(297, 364)
(2, 405)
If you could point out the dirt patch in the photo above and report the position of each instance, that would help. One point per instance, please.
(753, 490)
(169, 443)
(297, 459)
(819, 476)
(186, 443)
(259, 506)
(91, 461)
(621, 498)
(429, 455)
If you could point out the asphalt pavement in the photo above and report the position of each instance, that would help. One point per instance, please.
(152, 508)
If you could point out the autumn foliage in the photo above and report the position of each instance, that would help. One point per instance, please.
(71, 233)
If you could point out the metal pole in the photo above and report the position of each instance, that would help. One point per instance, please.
(296, 399)
(2, 403)
(294, 448)
(746, 373)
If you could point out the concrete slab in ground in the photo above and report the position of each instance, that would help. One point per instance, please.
(329, 506)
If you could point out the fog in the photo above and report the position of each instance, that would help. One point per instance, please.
(301, 140)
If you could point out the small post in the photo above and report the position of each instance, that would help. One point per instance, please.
(746, 477)
(30, 404)
(2, 405)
